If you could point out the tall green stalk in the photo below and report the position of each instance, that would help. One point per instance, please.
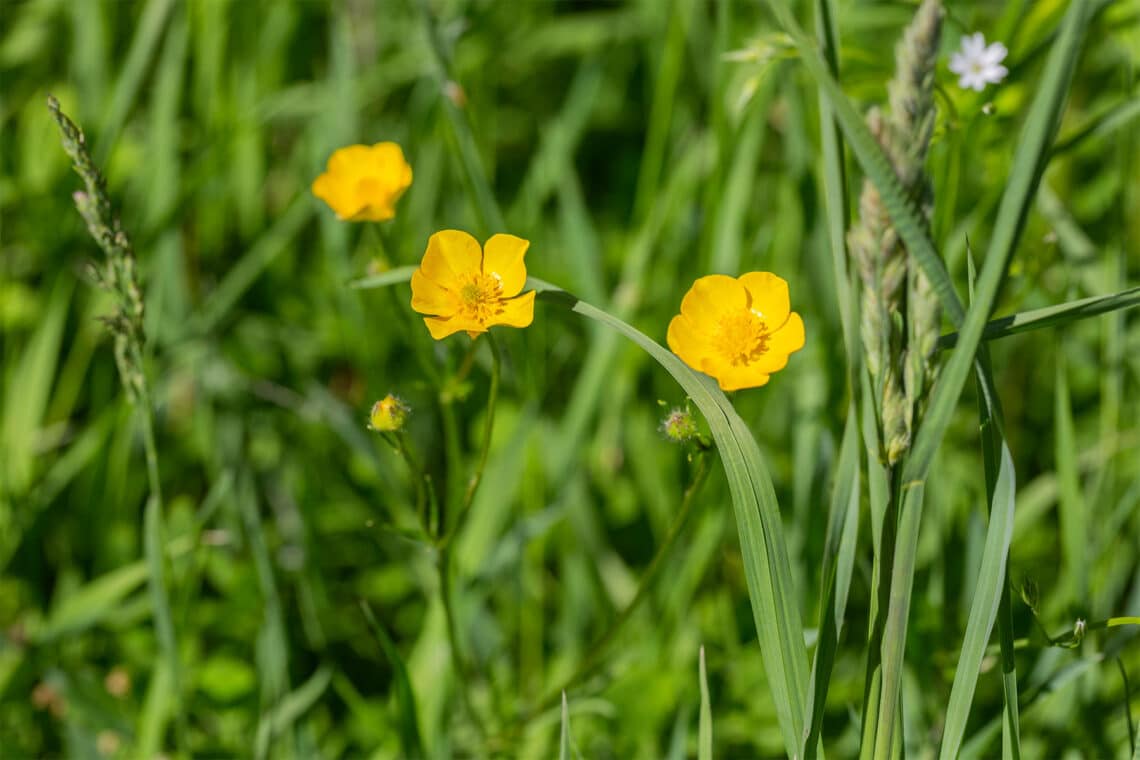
(118, 274)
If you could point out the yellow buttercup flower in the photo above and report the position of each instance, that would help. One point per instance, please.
(363, 183)
(738, 330)
(461, 286)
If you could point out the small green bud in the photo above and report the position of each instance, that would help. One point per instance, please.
(389, 414)
(679, 425)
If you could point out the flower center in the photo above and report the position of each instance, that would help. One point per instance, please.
(480, 296)
(741, 337)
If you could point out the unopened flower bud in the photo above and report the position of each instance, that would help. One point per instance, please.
(679, 425)
(388, 414)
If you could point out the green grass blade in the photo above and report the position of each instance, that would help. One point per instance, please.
(1052, 316)
(410, 741)
(984, 608)
(661, 112)
(1115, 118)
(91, 603)
(291, 707)
(246, 271)
(489, 213)
(704, 726)
(391, 277)
(835, 189)
(564, 737)
(767, 568)
(148, 33)
(1072, 514)
(838, 561)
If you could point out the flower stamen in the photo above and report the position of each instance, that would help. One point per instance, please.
(741, 337)
(481, 296)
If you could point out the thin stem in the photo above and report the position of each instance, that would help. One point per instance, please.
(154, 541)
(458, 661)
(488, 429)
(1127, 705)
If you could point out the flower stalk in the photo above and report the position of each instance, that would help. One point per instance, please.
(118, 275)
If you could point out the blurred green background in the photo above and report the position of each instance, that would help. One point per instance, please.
(635, 154)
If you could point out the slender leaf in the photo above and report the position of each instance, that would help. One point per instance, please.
(564, 738)
(704, 727)
(838, 559)
(291, 707)
(410, 741)
(1052, 316)
(984, 608)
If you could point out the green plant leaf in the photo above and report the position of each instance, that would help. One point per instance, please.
(1052, 316)
(410, 741)
(704, 726)
(984, 608)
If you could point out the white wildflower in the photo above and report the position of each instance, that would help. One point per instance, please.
(978, 64)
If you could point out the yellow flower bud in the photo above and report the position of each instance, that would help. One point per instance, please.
(388, 415)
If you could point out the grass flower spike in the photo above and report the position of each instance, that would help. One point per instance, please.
(978, 64)
(462, 287)
(738, 330)
(363, 183)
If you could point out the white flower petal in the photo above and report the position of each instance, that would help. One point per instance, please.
(973, 44)
(995, 74)
(994, 54)
(958, 63)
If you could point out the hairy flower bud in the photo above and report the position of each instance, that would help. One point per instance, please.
(388, 414)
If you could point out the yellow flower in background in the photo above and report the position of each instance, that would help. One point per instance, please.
(738, 330)
(363, 183)
(461, 286)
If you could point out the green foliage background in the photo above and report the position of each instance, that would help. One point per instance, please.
(635, 155)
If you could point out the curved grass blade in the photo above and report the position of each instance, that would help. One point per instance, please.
(1052, 316)
(771, 590)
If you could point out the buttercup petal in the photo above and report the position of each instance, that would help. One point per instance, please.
(769, 296)
(710, 297)
(350, 161)
(734, 378)
(373, 213)
(335, 194)
(686, 341)
(517, 312)
(449, 254)
(789, 338)
(503, 256)
(428, 297)
(441, 327)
